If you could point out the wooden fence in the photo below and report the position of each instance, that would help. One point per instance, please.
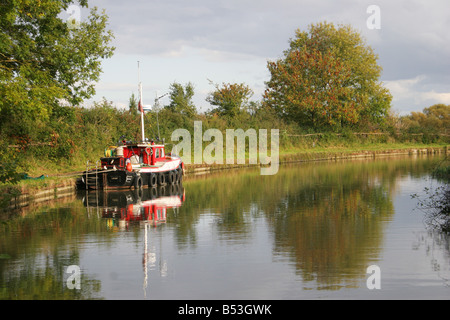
(361, 133)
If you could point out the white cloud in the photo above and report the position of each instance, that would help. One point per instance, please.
(231, 40)
(401, 89)
(410, 94)
(442, 97)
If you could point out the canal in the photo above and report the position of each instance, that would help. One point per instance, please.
(319, 230)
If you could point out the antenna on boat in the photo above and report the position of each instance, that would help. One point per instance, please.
(157, 112)
(141, 106)
(157, 109)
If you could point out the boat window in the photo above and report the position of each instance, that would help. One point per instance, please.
(157, 153)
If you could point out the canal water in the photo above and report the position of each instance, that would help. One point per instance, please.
(322, 230)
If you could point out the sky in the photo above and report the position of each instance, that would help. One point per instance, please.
(216, 41)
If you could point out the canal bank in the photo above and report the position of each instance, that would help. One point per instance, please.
(24, 195)
(193, 169)
(64, 185)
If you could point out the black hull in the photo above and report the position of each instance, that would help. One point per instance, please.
(122, 179)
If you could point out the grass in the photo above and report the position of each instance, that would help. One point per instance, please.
(359, 148)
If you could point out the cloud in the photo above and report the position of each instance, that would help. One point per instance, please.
(402, 89)
(256, 27)
(231, 40)
(412, 94)
(439, 97)
(413, 39)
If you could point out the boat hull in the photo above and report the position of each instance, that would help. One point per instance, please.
(117, 179)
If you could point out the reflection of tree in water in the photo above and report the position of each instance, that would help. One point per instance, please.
(332, 230)
(46, 280)
(436, 245)
(436, 201)
(332, 222)
(39, 251)
(327, 217)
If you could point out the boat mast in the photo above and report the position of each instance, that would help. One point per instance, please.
(141, 106)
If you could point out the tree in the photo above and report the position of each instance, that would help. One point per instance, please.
(328, 78)
(44, 61)
(133, 104)
(433, 121)
(438, 117)
(181, 99)
(231, 99)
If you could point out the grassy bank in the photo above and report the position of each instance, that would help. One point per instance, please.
(355, 150)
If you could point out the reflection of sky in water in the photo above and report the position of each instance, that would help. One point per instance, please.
(209, 252)
(410, 252)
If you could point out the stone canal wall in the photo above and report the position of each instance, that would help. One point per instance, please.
(50, 191)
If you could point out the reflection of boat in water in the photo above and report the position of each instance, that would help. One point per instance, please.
(122, 207)
(140, 207)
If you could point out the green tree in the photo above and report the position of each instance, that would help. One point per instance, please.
(231, 99)
(44, 61)
(133, 104)
(432, 122)
(181, 99)
(328, 78)
(438, 117)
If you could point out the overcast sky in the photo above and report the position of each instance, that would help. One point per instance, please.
(231, 41)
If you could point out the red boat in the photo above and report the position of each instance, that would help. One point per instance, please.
(133, 165)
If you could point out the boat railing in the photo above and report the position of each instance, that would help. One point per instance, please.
(91, 174)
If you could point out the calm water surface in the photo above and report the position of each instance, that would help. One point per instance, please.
(309, 232)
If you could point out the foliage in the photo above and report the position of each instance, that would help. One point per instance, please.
(436, 205)
(103, 124)
(436, 201)
(328, 79)
(431, 122)
(45, 64)
(230, 100)
(181, 99)
(133, 104)
(8, 167)
(40, 51)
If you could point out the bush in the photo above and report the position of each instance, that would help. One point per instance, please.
(436, 204)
